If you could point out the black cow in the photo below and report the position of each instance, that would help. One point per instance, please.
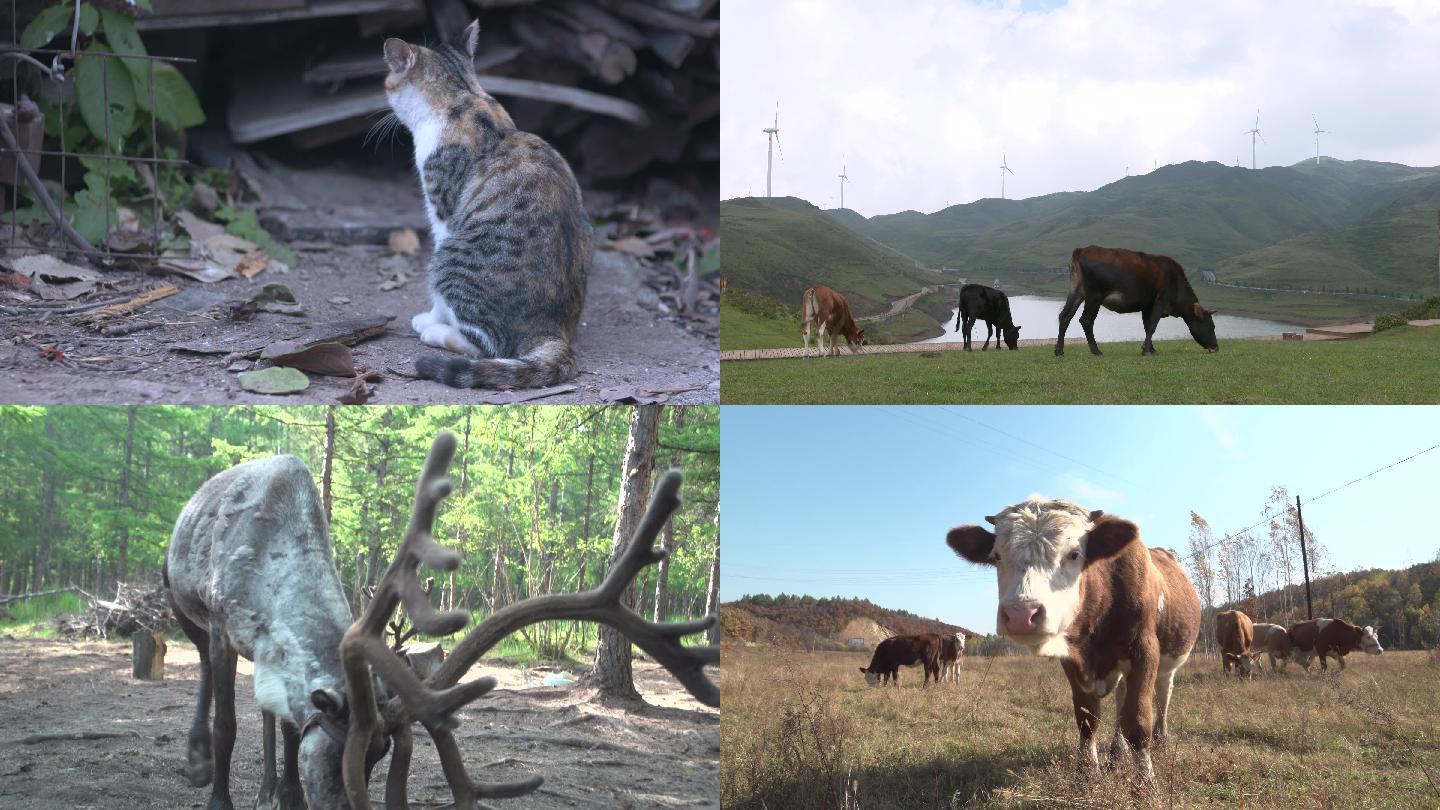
(1129, 281)
(978, 302)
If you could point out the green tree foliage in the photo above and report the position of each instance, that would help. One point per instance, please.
(532, 512)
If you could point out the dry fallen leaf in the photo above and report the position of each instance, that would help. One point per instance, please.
(633, 246)
(330, 359)
(405, 241)
(252, 264)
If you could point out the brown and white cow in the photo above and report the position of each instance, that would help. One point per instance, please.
(951, 649)
(1274, 641)
(898, 651)
(1335, 637)
(1235, 632)
(828, 310)
(1080, 586)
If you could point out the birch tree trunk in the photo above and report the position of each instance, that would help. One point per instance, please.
(612, 674)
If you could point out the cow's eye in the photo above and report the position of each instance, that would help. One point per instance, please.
(1074, 555)
(995, 558)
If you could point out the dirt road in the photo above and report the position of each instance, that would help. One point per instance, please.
(897, 307)
(590, 755)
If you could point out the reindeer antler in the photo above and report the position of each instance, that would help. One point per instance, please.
(434, 703)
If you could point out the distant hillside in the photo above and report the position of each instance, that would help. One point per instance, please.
(777, 247)
(1357, 224)
(809, 623)
(1403, 605)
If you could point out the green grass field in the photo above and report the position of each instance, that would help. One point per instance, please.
(1394, 367)
(801, 730)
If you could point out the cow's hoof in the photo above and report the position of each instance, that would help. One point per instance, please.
(1096, 352)
(1059, 352)
(220, 803)
(199, 774)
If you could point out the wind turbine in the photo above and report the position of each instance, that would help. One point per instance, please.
(1255, 133)
(772, 136)
(1318, 133)
(844, 178)
(1004, 167)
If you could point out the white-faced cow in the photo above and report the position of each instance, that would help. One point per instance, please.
(1336, 637)
(904, 651)
(1129, 281)
(829, 312)
(1274, 641)
(952, 649)
(978, 302)
(1235, 632)
(1080, 586)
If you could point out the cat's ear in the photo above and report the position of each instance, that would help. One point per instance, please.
(470, 38)
(399, 56)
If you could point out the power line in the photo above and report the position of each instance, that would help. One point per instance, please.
(1042, 447)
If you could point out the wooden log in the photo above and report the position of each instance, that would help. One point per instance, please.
(425, 658)
(148, 655)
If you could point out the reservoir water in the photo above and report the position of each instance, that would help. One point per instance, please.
(1039, 317)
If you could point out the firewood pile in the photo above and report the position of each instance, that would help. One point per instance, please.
(626, 89)
(134, 608)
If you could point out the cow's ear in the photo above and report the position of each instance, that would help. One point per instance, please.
(990, 519)
(973, 543)
(1096, 515)
(1109, 537)
(862, 669)
(1201, 312)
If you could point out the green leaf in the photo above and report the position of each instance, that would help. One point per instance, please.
(175, 102)
(95, 84)
(145, 4)
(45, 26)
(89, 19)
(90, 211)
(274, 380)
(121, 36)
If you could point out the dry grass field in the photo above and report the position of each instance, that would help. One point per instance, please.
(801, 730)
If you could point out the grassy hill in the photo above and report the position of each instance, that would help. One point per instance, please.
(1355, 223)
(804, 622)
(777, 247)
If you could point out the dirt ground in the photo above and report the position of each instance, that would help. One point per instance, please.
(629, 341)
(590, 755)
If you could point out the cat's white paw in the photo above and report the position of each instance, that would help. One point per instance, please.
(423, 321)
(445, 336)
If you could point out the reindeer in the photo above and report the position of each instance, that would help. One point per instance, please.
(250, 571)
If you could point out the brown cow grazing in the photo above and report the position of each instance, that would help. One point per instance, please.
(1235, 632)
(1335, 637)
(898, 651)
(828, 310)
(1274, 641)
(1128, 281)
(1081, 587)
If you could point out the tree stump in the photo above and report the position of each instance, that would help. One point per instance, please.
(148, 655)
(425, 658)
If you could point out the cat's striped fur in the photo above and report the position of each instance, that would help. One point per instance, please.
(512, 243)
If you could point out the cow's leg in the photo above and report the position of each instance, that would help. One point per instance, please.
(199, 758)
(222, 667)
(266, 799)
(990, 329)
(805, 330)
(1137, 712)
(292, 796)
(1087, 717)
(1087, 322)
(1341, 660)
(1151, 319)
(1072, 303)
(969, 324)
(1117, 741)
(1164, 685)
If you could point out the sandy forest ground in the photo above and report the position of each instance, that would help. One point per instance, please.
(630, 341)
(801, 730)
(590, 755)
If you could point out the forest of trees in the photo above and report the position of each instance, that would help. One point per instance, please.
(1262, 574)
(89, 495)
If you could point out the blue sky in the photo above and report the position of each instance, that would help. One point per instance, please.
(856, 501)
(920, 100)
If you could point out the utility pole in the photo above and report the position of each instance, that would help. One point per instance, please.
(1304, 559)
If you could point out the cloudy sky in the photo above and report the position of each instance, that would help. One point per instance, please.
(921, 99)
(866, 514)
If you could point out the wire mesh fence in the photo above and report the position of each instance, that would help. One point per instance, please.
(28, 161)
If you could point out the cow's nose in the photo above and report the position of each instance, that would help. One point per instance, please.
(1022, 618)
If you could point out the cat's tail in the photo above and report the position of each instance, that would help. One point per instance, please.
(550, 363)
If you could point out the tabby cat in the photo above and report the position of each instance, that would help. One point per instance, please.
(512, 243)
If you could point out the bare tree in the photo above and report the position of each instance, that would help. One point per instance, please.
(1202, 567)
(611, 675)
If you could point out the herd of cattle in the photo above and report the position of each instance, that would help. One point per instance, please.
(1080, 586)
(939, 655)
(1119, 280)
(1242, 642)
